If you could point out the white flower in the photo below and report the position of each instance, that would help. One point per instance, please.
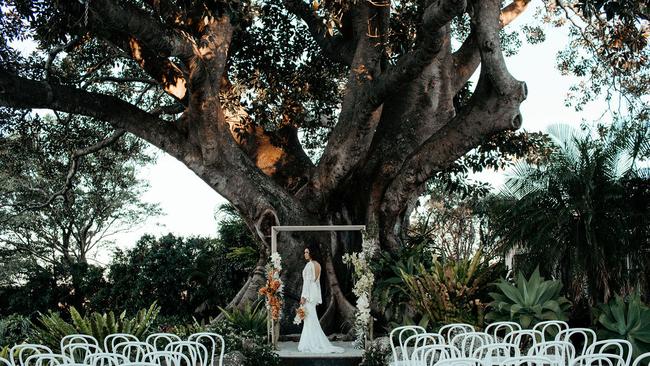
(276, 260)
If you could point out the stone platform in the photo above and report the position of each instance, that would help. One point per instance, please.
(288, 352)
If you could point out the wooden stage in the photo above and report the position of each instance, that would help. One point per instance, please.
(288, 352)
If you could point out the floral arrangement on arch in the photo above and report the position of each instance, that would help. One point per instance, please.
(272, 290)
(364, 281)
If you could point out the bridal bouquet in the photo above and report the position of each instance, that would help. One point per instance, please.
(300, 315)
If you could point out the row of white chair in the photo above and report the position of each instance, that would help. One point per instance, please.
(120, 349)
(410, 343)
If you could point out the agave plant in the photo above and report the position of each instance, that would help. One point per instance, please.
(51, 327)
(626, 320)
(528, 302)
(252, 317)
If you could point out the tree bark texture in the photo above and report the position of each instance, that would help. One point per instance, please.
(397, 125)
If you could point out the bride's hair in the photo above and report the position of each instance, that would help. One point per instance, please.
(314, 251)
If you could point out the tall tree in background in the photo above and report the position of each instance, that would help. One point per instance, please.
(226, 86)
(60, 203)
(582, 213)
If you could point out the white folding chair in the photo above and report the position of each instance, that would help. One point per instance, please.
(139, 364)
(584, 336)
(449, 331)
(559, 352)
(5, 362)
(643, 356)
(402, 334)
(48, 359)
(197, 353)
(134, 351)
(527, 361)
(619, 347)
(79, 351)
(105, 359)
(468, 342)
(524, 338)
(550, 327)
(78, 338)
(500, 329)
(495, 353)
(211, 341)
(155, 338)
(167, 358)
(25, 350)
(430, 355)
(463, 361)
(416, 342)
(599, 359)
(112, 339)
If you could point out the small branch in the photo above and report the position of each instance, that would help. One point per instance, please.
(122, 80)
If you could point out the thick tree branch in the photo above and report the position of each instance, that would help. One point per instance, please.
(336, 47)
(467, 58)
(494, 107)
(19, 92)
(350, 141)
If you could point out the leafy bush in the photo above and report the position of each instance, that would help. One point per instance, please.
(252, 318)
(51, 327)
(629, 320)
(528, 302)
(177, 325)
(253, 346)
(378, 353)
(14, 329)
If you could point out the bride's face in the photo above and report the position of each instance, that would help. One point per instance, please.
(307, 256)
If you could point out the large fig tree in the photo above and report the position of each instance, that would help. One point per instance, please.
(239, 91)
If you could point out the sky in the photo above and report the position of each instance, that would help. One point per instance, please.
(189, 205)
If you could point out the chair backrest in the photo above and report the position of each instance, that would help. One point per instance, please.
(528, 361)
(5, 362)
(48, 359)
(402, 333)
(524, 338)
(550, 328)
(156, 339)
(417, 341)
(580, 337)
(79, 351)
(105, 359)
(78, 338)
(463, 361)
(134, 351)
(139, 364)
(212, 341)
(167, 358)
(498, 330)
(25, 350)
(639, 360)
(112, 339)
(468, 342)
(561, 352)
(429, 355)
(599, 359)
(496, 351)
(619, 347)
(197, 353)
(449, 331)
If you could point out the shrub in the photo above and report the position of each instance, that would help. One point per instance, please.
(253, 346)
(51, 327)
(629, 320)
(14, 329)
(528, 302)
(252, 318)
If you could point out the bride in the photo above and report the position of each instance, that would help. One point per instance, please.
(312, 339)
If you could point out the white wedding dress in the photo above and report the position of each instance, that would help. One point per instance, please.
(312, 339)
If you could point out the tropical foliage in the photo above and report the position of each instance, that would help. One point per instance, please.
(50, 328)
(14, 329)
(251, 318)
(528, 302)
(583, 214)
(625, 319)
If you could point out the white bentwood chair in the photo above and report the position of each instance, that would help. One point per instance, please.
(401, 358)
(212, 341)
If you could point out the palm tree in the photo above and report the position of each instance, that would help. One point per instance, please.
(582, 214)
